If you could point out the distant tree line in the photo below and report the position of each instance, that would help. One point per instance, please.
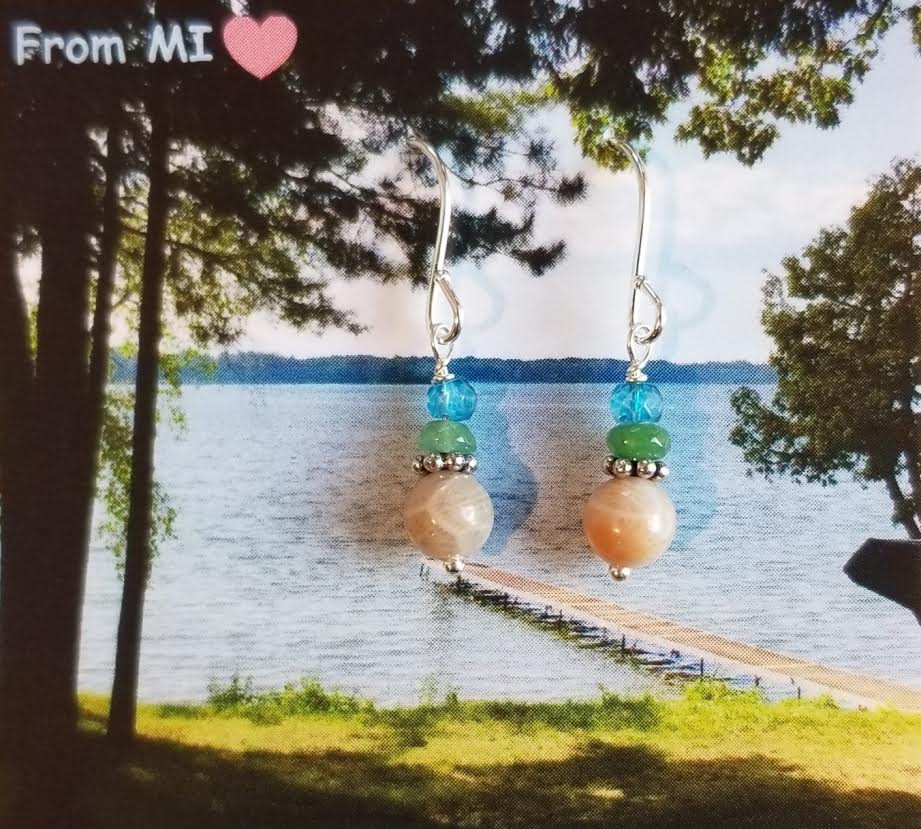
(259, 368)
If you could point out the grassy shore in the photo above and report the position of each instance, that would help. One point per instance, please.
(307, 758)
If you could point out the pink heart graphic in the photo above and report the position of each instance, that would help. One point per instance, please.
(260, 48)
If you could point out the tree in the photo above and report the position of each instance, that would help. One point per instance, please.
(43, 397)
(141, 492)
(845, 318)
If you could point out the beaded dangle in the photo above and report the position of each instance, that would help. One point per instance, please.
(448, 514)
(630, 521)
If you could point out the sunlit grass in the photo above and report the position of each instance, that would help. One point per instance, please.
(712, 758)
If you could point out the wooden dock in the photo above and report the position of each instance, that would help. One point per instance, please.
(845, 686)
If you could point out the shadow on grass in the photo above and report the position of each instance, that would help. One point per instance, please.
(162, 784)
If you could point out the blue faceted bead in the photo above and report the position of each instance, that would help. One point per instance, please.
(636, 403)
(453, 399)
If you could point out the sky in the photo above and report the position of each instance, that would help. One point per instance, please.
(715, 227)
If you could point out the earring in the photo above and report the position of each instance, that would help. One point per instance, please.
(448, 514)
(630, 521)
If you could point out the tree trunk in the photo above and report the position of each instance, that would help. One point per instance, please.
(904, 512)
(16, 367)
(16, 392)
(43, 557)
(137, 548)
(913, 382)
(102, 312)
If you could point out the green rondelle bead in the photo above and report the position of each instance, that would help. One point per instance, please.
(440, 436)
(639, 441)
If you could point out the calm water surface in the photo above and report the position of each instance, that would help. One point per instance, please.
(290, 559)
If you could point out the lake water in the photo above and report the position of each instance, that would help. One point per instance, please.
(290, 559)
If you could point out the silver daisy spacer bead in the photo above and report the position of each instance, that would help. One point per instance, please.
(646, 469)
(662, 472)
(609, 464)
(419, 465)
(472, 463)
(457, 462)
(619, 573)
(622, 468)
(433, 463)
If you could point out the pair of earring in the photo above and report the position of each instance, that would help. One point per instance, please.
(629, 521)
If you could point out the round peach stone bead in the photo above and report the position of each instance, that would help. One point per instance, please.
(448, 515)
(629, 522)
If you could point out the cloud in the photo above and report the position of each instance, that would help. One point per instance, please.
(720, 204)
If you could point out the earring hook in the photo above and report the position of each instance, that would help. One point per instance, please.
(640, 335)
(441, 335)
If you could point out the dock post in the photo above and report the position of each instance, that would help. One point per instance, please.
(701, 667)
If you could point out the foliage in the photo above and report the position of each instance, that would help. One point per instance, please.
(607, 711)
(815, 77)
(748, 66)
(114, 475)
(914, 16)
(845, 318)
(469, 75)
(238, 698)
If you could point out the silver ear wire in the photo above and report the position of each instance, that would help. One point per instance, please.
(640, 335)
(442, 336)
